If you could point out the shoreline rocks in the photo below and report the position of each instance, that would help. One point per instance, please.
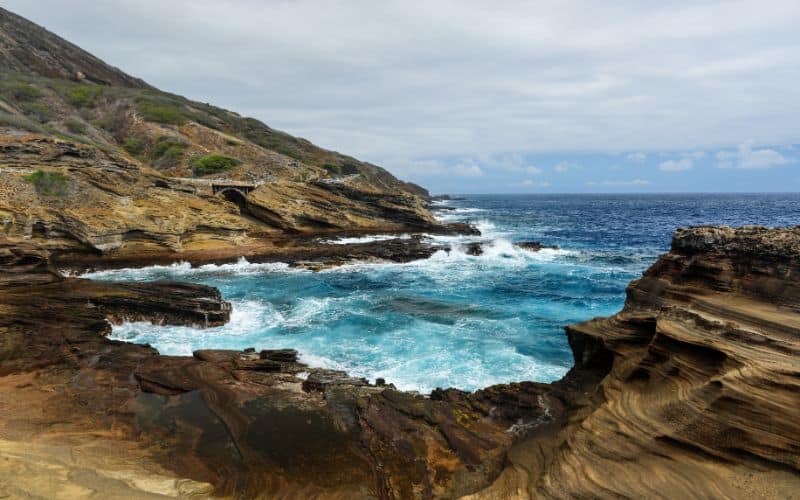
(690, 388)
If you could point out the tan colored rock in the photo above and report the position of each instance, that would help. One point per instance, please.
(701, 397)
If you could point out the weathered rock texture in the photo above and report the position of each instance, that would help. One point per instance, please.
(129, 160)
(693, 390)
(690, 391)
(702, 395)
(244, 424)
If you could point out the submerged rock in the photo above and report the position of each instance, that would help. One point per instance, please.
(534, 246)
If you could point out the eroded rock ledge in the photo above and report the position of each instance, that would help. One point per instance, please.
(693, 390)
(702, 395)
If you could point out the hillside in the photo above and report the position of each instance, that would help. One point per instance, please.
(97, 158)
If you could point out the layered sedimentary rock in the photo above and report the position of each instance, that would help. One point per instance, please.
(238, 423)
(702, 394)
(109, 208)
(95, 161)
(690, 391)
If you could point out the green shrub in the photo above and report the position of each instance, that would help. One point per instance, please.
(134, 146)
(48, 183)
(75, 126)
(84, 96)
(333, 168)
(212, 164)
(20, 91)
(162, 113)
(168, 152)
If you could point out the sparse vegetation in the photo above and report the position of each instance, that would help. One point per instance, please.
(301, 177)
(335, 169)
(49, 183)
(18, 122)
(162, 112)
(212, 164)
(332, 168)
(134, 146)
(74, 126)
(115, 122)
(84, 96)
(18, 91)
(36, 111)
(168, 152)
(266, 137)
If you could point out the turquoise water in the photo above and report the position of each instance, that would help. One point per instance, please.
(456, 320)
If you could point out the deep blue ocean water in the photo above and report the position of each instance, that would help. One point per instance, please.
(456, 320)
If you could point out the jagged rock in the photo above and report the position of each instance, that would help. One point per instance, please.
(534, 246)
(692, 385)
(699, 387)
(25, 264)
(474, 249)
(282, 355)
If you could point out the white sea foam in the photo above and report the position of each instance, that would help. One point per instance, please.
(440, 202)
(179, 269)
(317, 361)
(365, 239)
(332, 326)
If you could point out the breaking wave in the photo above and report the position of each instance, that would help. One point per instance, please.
(453, 320)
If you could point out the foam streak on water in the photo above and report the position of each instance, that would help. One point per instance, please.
(454, 319)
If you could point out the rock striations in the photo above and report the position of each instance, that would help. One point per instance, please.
(96, 162)
(702, 394)
(691, 391)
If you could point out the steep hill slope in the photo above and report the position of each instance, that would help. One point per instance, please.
(82, 141)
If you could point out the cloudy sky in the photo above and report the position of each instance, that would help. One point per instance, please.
(467, 96)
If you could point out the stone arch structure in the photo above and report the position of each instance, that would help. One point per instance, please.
(234, 195)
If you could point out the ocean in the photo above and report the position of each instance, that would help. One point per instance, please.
(456, 320)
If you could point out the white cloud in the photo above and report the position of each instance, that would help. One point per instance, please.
(637, 157)
(467, 170)
(534, 170)
(561, 167)
(564, 76)
(676, 165)
(748, 158)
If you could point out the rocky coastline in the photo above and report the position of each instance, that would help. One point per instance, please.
(692, 388)
(691, 391)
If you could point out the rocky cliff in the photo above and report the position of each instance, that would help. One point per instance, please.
(691, 391)
(95, 161)
(702, 393)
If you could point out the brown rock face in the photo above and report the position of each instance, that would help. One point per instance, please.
(702, 393)
(24, 264)
(138, 170)
(690, 391)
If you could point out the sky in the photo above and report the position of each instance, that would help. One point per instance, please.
(495, 97)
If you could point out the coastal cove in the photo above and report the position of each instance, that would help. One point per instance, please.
(194, 304)
(454, 319)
